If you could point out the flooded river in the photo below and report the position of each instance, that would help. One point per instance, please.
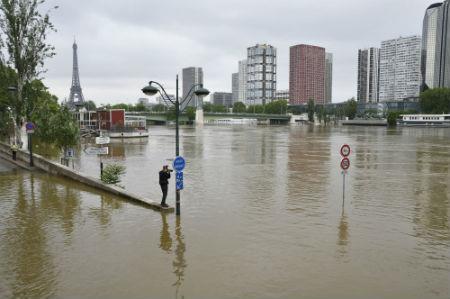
(263, 216)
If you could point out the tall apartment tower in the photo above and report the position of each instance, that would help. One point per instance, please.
(191, 75)
(328, 77)
(400, 76)
(261, 74)
(235, 87)
(306, 74)
(242, 89)
(442, 63)
(430, 61)
(368, 68)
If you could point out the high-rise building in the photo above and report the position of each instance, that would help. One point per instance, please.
(282, 94)
(442, 62)
(430, 36)
(306, 74)
(222, 98)
(328, 77)
(191, 76)
(368, 68)
(400, 76)
(242, 81)
(235, 87)
(261, 74)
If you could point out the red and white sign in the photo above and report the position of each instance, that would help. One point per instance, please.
(345, 163)
(345, 150)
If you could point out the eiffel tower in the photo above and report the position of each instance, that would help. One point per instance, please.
(76, 98)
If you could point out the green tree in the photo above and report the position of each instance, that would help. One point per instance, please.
(24, 30)
(276, 107)
(218, 108)
(111, 173)
(159, 108)
(351, 107)
(190, 113)
(7, 79)
(90, 105)
(310, 109)
(140, 107)
(239, 107)
(124, 106)
(436, 100)
(207, 107)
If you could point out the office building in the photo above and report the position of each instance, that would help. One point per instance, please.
(306, 74)
(368, 68)
(242, 89)
(282, 94)
(328, 77)
(442, 63)
(261, 74)
(235, 87)
(222, 98)
(429, 60)
(400, 76)
(191, 76)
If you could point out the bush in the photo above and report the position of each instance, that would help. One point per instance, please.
(111, 173)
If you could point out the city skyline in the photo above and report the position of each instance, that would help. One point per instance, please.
(114, 67)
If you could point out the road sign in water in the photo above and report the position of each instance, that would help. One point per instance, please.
(179, 163)
(179, 180)
(30, 127)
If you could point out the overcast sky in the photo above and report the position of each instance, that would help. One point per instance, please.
(124, 44)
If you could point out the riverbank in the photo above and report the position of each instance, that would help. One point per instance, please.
(54, 168)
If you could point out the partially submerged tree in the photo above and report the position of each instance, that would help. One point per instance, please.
(24, 31)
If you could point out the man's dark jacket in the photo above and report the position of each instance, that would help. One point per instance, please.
(164, 177)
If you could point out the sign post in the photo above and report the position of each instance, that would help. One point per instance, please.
(30, 130)
(178, 164)
(102, 150)
(345, 164)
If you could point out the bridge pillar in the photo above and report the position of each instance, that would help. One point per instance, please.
(199, 117)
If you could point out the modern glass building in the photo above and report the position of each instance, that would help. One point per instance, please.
(192, 75)
(222, 98)
(442, 62)
(400, 76)
(368, 68)
(261, 74)
(429, 60)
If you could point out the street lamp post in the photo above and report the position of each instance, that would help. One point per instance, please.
(151, 90)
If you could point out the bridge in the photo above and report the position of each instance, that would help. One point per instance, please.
(161, 117)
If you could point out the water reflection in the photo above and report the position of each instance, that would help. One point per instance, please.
(165, 240)
(179, 263)
(343, 235)
(25, 247)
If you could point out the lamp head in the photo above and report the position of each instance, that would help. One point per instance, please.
(150, 90)
(201, 92)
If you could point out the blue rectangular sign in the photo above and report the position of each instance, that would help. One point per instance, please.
(179, 180)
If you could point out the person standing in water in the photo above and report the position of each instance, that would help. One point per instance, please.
(164, 176)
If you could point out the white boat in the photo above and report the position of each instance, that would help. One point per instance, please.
(438, 120)
(138, 133)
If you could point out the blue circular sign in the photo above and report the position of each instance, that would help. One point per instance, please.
(179, 163)
(29, 126)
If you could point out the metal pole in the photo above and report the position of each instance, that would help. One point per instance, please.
(177, 144)
(343, 187)
(30, 147)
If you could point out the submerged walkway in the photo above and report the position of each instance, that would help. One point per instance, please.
(54, 168)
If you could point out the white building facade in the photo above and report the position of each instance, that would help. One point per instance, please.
(400, 75)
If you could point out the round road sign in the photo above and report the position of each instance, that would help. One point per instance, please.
(345, 150)
(345, 163)
(179, 163)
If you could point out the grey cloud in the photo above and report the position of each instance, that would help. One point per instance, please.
(123, 44)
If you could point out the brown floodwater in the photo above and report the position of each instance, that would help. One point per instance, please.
(263, 216)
